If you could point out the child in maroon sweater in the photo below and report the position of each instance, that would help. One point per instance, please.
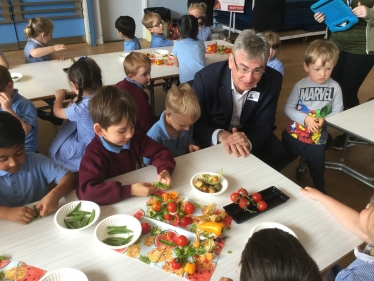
(115, 150)
(137, 67)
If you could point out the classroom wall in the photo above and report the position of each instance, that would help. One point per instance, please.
(178, 8)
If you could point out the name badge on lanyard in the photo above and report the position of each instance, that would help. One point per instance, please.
(254, 96)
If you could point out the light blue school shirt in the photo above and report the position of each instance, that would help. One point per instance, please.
(191, 57)
(33, 44)
(26, 110)
(29, 183)
(132, 44)
(276, 64)
(160, 41)
(204, 34)
(177, 146)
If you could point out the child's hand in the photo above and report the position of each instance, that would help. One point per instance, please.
(321, 121)
(193, 148)
(60, 94)
(164, 177)
(22, 214)
(319, 17)
(311, 192)
(48, 204)
(312, 123)
(59, 47)
(5, 101)
(142, 189)
(62, 58)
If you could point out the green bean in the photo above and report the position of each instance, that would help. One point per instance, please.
(79, 218)
(117, 241)
(92, 216)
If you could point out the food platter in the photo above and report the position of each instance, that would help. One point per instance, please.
(271, 195)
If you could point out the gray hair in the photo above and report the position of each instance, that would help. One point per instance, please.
(254, 45)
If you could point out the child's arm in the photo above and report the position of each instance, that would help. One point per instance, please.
(312, 123)
(39, 52)
(6, 105)
(3, 60)
(22, 214)
(347, 216)
(192, 147)
(290, 108)
(49, 203)
(175, 61)
(58, 106)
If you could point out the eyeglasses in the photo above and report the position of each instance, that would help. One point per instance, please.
(158, 24)
(244, 70)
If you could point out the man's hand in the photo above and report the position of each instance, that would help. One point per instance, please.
(360, 11)
(236, 143)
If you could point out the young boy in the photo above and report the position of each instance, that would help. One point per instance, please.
(20, 107)
(116, 149)
(152, 21)
(137, 67)
(24, 176)
(311, 100)
(274, 43)
(174, 129)
(126, 30)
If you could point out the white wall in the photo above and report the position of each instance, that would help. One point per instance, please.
(177, 8)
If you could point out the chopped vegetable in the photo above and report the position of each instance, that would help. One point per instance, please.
(212, 227)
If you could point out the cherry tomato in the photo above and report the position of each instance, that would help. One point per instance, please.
(256, 197)
(227, 50)
(146, 228)
(186, 221)
(156, 206)
(189, 208)
(243, 192)
(166, 197)
(243, 203)
(235, 197)
(214, 48)
(172, 207)
(169, 217)
(261, 205)
(182, 241)
(176, 263)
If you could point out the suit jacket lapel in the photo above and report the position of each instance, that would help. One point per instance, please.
(225, 95)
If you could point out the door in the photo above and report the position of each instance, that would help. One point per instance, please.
(112, 9)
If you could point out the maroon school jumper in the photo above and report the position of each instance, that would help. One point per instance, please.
(99, 164)
(145, 113)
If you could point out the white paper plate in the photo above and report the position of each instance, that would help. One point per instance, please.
(160, 52)
(132, 223)
(16, 76)
(264, 225)
(65, 274)
(87, 206)
(123, 55)
(224, 183)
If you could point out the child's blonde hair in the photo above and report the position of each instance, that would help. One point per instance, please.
(5, 78)
(182, 100)
(134, 61)
(321, 49)
(149, 18)
(37, 26)
(199, 6)
(273, 39)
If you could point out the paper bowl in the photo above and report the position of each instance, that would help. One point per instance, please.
(160, 53)
(16, 76)
(122, 56)
(265, 225)
(65, 274)
(87, 206)
(132, 223)
(224, 184)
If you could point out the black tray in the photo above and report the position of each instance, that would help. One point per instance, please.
(271, 195)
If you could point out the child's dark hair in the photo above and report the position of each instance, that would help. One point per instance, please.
(11, 131)
(5, 78)
(87, 75)
(275, 255)
(126, 25)
(110, 105)
(188, 27)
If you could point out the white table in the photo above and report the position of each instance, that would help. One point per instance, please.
(356, 122)
(43, 245)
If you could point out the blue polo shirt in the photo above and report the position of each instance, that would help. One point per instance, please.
(33, 44)
(177, 146)
(160, 41)
(26, 111)
(29, 183)
(132, 44)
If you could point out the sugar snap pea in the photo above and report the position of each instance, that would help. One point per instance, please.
(117, 241)
(78, 219)
(76, 208)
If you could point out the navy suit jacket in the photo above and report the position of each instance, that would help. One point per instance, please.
(212, 86)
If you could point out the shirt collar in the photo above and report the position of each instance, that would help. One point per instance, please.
(114, 148)
(37, 42)
(134, 82)
(365, 254)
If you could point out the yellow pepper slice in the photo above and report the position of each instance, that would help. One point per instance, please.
(212, 227)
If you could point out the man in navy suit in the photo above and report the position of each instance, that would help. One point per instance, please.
(238, 100)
